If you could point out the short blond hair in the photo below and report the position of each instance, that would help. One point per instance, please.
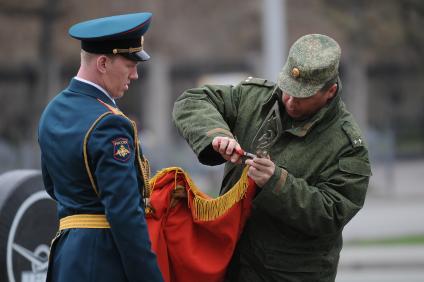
(87, 57)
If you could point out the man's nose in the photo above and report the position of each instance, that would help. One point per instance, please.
(291, 100)
(134, 74)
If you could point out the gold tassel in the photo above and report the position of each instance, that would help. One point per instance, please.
(204, 207)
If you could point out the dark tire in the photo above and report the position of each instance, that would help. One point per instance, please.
(28, 222)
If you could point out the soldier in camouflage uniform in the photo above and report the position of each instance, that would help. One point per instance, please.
(312, 168)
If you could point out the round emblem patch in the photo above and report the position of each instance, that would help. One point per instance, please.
(121, 149)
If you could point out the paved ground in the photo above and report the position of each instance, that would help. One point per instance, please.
(381, 275)
(395, 202)
(387, 217)
(383, 257)
(384, 218)
(400, 179)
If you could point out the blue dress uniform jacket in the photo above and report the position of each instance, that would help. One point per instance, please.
(123, 251)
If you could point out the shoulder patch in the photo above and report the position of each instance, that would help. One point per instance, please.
(121, 149)
(354, 134)
(258, 81)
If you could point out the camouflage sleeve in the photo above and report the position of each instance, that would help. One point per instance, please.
(201, 114)
(323, 208)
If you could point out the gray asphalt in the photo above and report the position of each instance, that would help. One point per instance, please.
(387, 218)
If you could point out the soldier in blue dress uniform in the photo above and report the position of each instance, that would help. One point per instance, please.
(92, 163)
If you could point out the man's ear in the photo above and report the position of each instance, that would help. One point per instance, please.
(331, 92)
(101, 63)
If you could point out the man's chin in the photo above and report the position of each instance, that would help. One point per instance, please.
(293, 114)
(119, 95)
(297, 116)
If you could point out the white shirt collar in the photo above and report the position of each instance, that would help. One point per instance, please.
(97, 86)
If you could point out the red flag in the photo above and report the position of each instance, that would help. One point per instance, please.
(194, 240)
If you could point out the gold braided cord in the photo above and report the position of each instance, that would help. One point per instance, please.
(143, 165)
(87, 166)
(204, 207)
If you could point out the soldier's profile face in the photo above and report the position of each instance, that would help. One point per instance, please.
(120, 72)
(302, 108)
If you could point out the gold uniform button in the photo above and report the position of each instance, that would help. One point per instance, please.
(295, 72)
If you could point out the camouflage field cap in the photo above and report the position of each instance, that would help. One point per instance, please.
(313, 60)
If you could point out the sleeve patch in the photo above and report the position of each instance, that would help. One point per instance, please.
(355, 166)
(121, 149)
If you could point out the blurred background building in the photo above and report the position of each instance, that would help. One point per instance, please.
(197, 42)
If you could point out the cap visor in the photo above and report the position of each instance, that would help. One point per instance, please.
(138, 56)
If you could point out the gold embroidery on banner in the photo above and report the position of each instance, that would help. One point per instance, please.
(204, 207)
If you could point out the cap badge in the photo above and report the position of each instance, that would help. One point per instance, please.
(295, 72)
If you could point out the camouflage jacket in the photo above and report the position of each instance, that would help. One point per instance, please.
(319, 184)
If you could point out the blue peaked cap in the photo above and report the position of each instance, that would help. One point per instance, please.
(121, 34)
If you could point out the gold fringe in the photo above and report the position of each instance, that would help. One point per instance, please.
(204, 207)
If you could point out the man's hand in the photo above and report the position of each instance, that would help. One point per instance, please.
(177, 195)
(260, 170)
(227, 148)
